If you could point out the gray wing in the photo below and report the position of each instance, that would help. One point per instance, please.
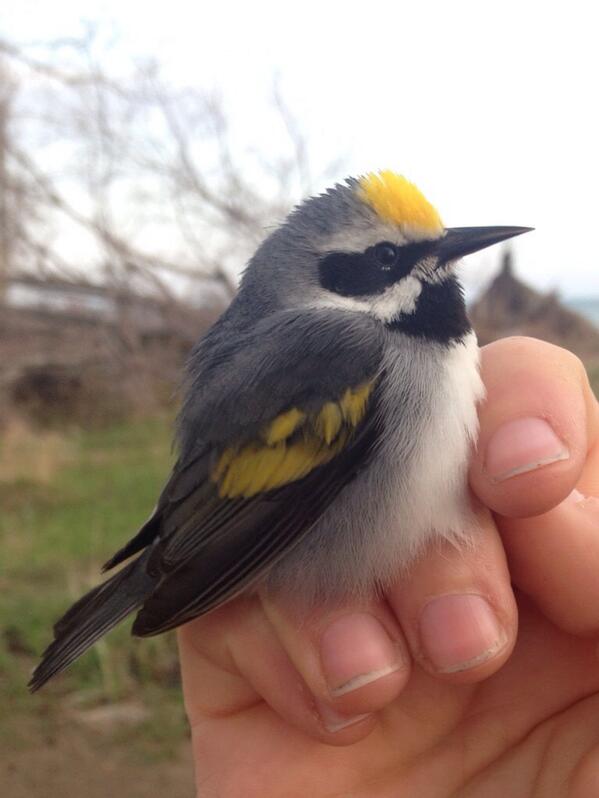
(206, 547)
(239, 381)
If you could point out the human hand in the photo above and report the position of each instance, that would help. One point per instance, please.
(427, 692)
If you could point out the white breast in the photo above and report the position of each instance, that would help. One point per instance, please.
(434, 495)
(415, 487)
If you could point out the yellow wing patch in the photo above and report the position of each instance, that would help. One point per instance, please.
(328, 422)
(397, 200)
(283, 426)
(353, 402)
(292, 445)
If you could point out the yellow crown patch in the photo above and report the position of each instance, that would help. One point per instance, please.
(396, 200)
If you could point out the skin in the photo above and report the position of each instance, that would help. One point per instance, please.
(521, 720)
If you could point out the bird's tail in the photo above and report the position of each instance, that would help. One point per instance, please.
(92, 616)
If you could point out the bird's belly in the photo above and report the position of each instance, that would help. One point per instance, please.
(414, 488)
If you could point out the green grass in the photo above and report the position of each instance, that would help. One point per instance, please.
(54, 536)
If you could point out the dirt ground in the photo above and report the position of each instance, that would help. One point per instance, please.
(79, 763)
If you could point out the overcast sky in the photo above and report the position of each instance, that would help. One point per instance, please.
(491, 108)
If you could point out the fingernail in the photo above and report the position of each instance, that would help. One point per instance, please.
(521, 446)
(356, 650)
(333, 721)
(458, 632)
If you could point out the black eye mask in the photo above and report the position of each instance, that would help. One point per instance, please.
(370, 272)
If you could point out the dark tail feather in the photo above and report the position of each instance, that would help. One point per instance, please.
(144, 538)
(92, 616)
(86, 603)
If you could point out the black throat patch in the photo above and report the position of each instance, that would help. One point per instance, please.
(440, 314)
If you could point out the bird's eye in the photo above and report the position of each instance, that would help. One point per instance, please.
(385, 253)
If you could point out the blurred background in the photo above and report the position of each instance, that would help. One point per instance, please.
(144, 152)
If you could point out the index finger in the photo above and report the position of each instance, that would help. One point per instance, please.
(553, 556)
(537, 426)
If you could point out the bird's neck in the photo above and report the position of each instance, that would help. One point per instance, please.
(440, 314)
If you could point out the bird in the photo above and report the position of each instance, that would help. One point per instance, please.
(326, 426)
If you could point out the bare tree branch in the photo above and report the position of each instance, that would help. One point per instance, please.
(148, 163)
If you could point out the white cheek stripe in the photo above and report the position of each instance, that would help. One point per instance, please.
(429, 270)
(396, 300)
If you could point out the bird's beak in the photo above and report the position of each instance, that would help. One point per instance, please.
(460, 241)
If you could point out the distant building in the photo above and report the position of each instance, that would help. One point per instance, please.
(510, 307)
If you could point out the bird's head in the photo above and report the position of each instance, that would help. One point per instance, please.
(373, 244)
